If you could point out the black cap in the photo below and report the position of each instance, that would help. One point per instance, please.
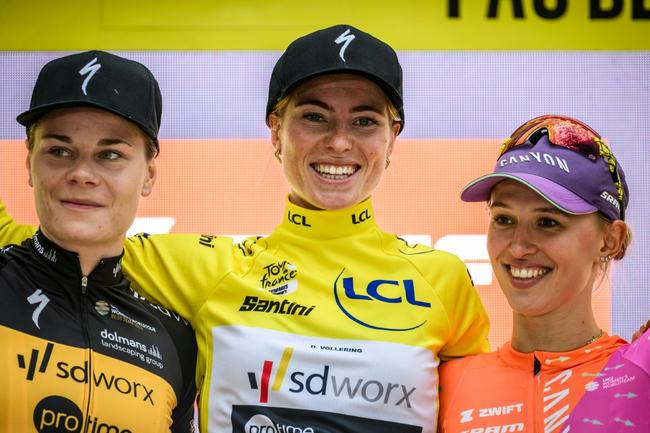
(100, 79)
(337, 49)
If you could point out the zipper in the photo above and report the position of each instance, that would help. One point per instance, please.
(534, 417)
(84, 324)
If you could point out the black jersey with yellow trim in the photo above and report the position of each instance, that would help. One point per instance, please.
(86, 353)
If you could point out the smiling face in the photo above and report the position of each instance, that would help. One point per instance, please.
(88, 169)
(546, 261)
(334, 136)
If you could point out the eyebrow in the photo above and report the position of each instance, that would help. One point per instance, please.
(68, 140)
(547, 209)
(356, 109)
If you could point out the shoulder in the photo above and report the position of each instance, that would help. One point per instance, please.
(459, 366)
(422, 256)
(638, 352)
(13, 254)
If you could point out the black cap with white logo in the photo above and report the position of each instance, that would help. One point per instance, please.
(100, 79)
(337, 49)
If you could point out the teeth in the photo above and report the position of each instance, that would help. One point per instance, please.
(335, 171)
(528, 272)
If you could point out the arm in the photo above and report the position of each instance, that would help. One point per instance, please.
(468, 321)
(178, 271)
(175, 271)
(10, 231)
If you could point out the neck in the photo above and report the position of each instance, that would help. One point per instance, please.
(89, 253)
(554, 334)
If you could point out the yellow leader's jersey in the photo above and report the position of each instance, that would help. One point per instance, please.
(327, 325)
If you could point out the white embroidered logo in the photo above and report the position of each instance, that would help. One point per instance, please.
(91, 69)
(38, 298)
(344, 38)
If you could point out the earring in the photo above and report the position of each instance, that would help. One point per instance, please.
(387, 162)
(605, 259)
(277, 155)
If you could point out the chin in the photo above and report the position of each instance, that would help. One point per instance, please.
(336, 202)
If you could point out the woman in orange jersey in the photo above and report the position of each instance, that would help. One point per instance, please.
(556, 200)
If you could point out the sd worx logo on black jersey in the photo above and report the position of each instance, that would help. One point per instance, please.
(327, 383)
(81, 374)
(352, 298)
(33, 361)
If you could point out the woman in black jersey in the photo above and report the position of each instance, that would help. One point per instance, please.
(82, 352)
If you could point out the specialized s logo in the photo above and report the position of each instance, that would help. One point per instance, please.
(91, 69)
(42, 300)
(352, 298)
(344, 38)
(279, 278)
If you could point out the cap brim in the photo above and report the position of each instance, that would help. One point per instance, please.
(557, 195)
(30, 116)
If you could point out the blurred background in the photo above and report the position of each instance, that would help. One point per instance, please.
(473, 72)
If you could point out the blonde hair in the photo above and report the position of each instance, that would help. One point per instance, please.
(280, 107)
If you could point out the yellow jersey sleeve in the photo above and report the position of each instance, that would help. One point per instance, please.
(469, 321)
(10, 231)
(468, 324)
(178, 271)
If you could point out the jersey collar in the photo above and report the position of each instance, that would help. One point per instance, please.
(328, 224)
(552, 361)
(65, 263)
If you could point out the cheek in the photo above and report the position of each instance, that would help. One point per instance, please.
(494, 245)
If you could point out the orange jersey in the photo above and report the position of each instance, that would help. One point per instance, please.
(602, 387)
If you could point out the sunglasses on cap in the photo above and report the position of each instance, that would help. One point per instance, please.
(571, 134)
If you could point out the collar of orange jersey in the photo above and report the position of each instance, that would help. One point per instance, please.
(328, 224)
(550, 361)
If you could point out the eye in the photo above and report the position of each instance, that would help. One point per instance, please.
(59, 152)
(547, 222)
(501, 219)
(109, 155)
(365, 121)
(313, 117)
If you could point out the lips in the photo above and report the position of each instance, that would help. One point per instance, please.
(527, 273)
(335, 172)
(77, 203)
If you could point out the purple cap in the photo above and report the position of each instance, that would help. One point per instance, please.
(569, 180)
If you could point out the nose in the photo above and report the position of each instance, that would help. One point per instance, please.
(339, 139)
(522, 243)
(82, 172)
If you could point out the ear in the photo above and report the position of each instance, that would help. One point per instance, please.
(28, 164)
(393, 136)
(275, 124)
(614, 238)
(150, 179)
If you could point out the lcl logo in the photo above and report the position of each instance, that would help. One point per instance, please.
(348, 296)
(372, 290)
(297, 219)
(361, 217)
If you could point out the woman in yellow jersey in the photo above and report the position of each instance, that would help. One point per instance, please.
(557, 202)
(329, 324)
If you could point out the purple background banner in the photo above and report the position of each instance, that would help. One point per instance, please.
(448, 94)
